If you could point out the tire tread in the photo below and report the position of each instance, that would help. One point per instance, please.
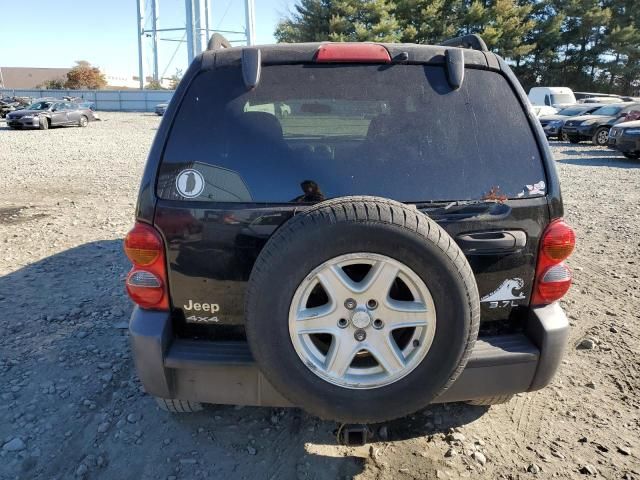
(390, 212)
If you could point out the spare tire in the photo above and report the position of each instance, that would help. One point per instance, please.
(361, 309)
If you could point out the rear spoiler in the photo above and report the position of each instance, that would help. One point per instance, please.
(474, 42)
(454, 58)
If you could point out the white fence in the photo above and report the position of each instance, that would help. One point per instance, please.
(108, 100)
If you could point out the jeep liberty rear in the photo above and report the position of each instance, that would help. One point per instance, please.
(338, 227)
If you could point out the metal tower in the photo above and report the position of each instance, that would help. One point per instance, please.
(197, 31)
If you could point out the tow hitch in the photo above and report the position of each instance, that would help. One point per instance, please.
(353, 434)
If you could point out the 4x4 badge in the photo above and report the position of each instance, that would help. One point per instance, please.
(190, 183)
(505, 294)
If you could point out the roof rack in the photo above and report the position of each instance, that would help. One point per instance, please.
(473, 41)
(217, 41)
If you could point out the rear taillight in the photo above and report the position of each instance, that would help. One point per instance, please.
(352, 53)
(147, 281)
(553, 277)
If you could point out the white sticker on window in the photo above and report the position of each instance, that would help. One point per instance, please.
(190, 183)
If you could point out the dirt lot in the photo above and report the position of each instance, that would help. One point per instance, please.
(71, 405)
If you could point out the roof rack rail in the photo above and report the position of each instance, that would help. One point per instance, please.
(473, 41)
(217, 41)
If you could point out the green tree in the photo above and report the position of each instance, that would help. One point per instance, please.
(174, 80)
(340, 21)
(308, 23)
(154, 85)
(428, 21)
(622, 49)
(84, 75)
(589, 45)
(53, 84)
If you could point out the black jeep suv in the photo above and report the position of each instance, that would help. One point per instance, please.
(336, 226)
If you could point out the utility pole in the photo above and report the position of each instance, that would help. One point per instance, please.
(140, 4)
(249, 9)
(198, 13)
(207, 9)
(154, 38)
(188, 8)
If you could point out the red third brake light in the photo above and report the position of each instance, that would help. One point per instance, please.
(147, 281)
(553, 277)
(352, 53)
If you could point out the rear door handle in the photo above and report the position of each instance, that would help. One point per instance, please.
(493, 241)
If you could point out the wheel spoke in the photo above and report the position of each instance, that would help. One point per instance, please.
(398, 314)
(383, 347)
(337, 283)
(379, 280)
(322, 319)
(361, 316)
(340, 355)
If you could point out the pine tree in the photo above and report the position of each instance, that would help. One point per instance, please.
(340, 21)
(622, 48)
(589, 45)
(428, 21)
(309, 22)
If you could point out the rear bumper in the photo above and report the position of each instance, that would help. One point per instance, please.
(225, 372)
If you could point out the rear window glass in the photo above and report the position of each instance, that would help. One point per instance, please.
(312, 132)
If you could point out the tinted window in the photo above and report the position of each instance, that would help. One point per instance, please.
(609, 111)
(631, 108)
(573, 111)
(40, 106)
(321, 131)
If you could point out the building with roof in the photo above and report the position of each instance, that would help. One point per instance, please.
(27, 78)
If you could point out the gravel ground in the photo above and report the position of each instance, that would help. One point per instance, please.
(72, 407)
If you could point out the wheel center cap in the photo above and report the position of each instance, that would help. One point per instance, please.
(361, 319)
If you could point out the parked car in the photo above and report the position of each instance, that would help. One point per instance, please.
(558, 97)
(601, 100)
(45, 113)
(161, 108)
(584, 95)
(595, 127)
(625, 137)
(393, 245)
(552, 124)
(630, 116)
(540, 110)
(90, 105)
(11, 104)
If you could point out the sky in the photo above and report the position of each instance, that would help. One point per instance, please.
(50, 33)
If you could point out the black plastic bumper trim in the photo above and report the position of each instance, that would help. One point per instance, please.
(225, 372)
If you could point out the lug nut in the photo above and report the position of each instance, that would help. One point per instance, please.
(378, 324)
(350, 304)
(372, 304)
(360, 335)
(343, 322)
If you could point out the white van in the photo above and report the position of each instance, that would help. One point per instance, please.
(557, 97)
